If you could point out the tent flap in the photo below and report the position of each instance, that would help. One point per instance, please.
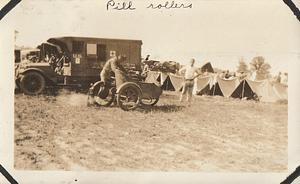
(201, 83)
(177, 81)
(152, 77)
(228, 86)
(243, 90)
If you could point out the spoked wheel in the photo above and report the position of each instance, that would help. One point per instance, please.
(32, 83)
(149, 101)
(129, 96)
(101, 95)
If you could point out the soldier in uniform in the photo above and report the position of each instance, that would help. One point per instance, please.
(114, 65)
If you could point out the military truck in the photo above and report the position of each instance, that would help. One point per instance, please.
(80, 62)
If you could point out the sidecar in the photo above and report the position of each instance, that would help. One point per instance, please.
(131, 94)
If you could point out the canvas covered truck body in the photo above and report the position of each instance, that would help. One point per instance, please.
(84, 59)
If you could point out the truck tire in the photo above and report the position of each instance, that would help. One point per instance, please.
(32, 83)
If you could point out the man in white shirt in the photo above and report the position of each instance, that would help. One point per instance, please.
(189, 76)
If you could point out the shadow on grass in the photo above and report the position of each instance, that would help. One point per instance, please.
(161, 108)
(56, 91)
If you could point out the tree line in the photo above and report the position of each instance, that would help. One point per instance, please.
(257, 65)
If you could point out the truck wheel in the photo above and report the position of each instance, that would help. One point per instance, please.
(129, 96)
(32, 83)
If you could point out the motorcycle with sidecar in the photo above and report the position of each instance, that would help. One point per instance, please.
(128, 93)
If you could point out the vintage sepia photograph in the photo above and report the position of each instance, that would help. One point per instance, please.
(152, 86)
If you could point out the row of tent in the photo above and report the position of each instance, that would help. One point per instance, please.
(213, 85)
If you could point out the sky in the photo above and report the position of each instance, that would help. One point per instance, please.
(218, 31)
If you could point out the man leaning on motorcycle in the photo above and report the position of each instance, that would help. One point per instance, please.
(114, 65)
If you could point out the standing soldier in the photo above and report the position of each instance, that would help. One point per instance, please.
(278, 78)
(190, 73)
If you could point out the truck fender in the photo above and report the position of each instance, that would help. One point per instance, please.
(40, 71)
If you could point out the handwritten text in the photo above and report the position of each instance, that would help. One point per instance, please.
(129, 5)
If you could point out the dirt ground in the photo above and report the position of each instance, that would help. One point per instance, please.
(211, 134)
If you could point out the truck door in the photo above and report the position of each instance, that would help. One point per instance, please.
(78, 60)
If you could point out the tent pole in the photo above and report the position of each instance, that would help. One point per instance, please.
(167, 84)
(214, 90)
(243, 89)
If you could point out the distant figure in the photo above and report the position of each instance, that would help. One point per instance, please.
(227, 75)
(52, 61)
(278, 78)
(147, 57)
(241, 75)
(145, 71)
(189, 76)
(47, 58)
(284, 79)
(146, 68)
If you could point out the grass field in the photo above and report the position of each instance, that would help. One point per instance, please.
(211, 134)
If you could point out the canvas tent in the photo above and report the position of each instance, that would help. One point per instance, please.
(162, 77)
(165, 82)
(243, 90)
(202, 85)
(207, 85)
(227, 86)
(207, 67)
(281, 90)
(152, 77)
(204, 91)
(216, 90)
(168, 85)
(173, 82)
(264, 90)
(177, 81)
(214, 86)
